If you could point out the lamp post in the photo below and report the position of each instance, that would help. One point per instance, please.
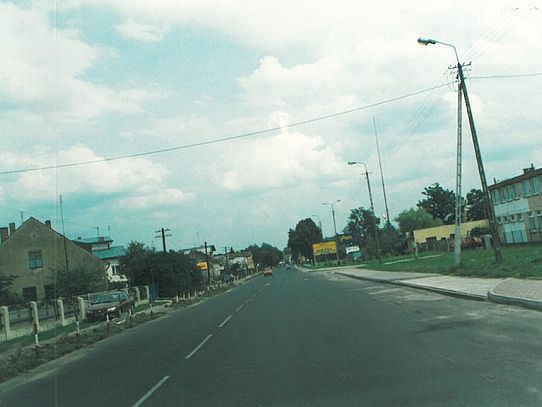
(332, 204)
(319, 224)
(489, 204)
(377, 238)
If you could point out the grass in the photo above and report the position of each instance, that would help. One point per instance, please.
(521, 261)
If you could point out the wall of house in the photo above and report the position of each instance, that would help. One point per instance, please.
(34, 236)
(446, 231)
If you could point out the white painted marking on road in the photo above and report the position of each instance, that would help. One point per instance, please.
(239, 307)
(267, 284)
(198, 347)
(149, 393)
(225, 321)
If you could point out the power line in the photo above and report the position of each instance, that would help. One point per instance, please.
(224, 139)
(523, 75)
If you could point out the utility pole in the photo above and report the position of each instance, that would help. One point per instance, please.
(332, 204)
(227, 263)
(376, 236)
(489, 204)
(207, 261)
(64, 235)
(162, 235)
(382, 176)
(458, 200)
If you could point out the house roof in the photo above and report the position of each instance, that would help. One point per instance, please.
(527, 174)
(111, 253)
(95, 239)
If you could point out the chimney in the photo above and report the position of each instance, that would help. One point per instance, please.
(12, 228)
(48, 223)
(3, 234)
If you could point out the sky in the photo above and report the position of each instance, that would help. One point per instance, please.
(89, 80)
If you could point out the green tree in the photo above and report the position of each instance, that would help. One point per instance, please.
(301, 239)
(361, 224)
(6, 296)
(476, 205)
(80, 280)
(414, 219)
(266, 255)
(439, 202)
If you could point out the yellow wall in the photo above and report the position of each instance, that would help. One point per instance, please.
(444, 231)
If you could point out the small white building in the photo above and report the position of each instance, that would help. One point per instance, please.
(100, 247)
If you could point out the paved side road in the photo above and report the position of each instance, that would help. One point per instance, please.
(514, 291)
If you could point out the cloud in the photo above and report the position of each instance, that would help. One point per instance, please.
(141, 32)
(43, 69)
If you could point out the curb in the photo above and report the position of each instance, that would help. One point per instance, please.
(511, 300)
(443, 291)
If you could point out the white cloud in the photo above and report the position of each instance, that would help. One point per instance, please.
(142, 32)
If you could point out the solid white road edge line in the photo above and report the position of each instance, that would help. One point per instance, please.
(239, 308)
(149, 393)
(225, 321)
(198, 347)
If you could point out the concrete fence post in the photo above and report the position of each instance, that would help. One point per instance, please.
(4, 319)
(82, 308)
(35, 315)
(147, 293)
(137, 295)
(61, 315)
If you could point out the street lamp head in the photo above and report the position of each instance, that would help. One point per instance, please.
(352, 162)
(426, 41)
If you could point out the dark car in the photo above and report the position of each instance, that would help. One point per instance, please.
(114, 304)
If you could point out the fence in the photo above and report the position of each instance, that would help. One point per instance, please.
(21, 320)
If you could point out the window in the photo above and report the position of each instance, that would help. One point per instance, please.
(35, 261)
(526, 188)
(532, 225)
(535, 185)
(495, 196)
(539, 216)
(501, 193)
(499, 219)
(30, 294)
(512, 193)
(520, 217)
(512, 218)
(114, 270)
(505, 219)
(49, 290)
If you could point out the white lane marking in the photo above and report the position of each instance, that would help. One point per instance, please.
(239, 307)
(267, 284)
(149, 393)
(225, 321)
(198, 347)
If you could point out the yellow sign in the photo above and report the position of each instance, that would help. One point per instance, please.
(324, 248)
(202, 265)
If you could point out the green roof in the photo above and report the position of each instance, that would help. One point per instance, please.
(111, 253)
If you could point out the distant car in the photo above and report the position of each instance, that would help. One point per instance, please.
(268, 272)
(114, 304)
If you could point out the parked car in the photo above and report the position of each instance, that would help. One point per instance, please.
(268, 272)
(114, 304)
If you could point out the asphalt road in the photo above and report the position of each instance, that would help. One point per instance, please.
(306, 339)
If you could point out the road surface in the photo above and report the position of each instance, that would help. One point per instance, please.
(306, 339)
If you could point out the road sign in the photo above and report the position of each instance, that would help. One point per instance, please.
(324, 248)
(352, 249)
(202, 265)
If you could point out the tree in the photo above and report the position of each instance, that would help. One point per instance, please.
(476, 205)
(6, 296)
(440, 203)
(266, 255)
(301, 239)
(414, 219)
(361, 224)
(80, 280)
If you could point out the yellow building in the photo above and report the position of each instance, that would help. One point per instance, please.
(437, 233)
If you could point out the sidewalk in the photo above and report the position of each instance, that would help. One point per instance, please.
(527, 293)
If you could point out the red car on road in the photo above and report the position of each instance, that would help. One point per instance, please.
(268, 272)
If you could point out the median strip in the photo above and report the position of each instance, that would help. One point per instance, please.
(198, 347)
(150, 392)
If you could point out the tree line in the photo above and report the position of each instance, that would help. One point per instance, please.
(437, 207)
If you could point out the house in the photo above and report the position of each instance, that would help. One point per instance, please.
(33, 252)
(100, 246)
(244, 259)
(441, 237)
(518, 206)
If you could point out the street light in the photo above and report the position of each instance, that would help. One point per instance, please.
(332, 204)
(458, 203)
(377, 238)
(319, 224)
(489, 204)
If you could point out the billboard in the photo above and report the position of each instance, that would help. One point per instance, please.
(202, 265)
(324, 248)
(352, 249)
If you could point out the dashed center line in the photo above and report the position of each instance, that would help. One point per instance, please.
(239, 308)
(225, 321)
(198, 347)
(149, 393)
